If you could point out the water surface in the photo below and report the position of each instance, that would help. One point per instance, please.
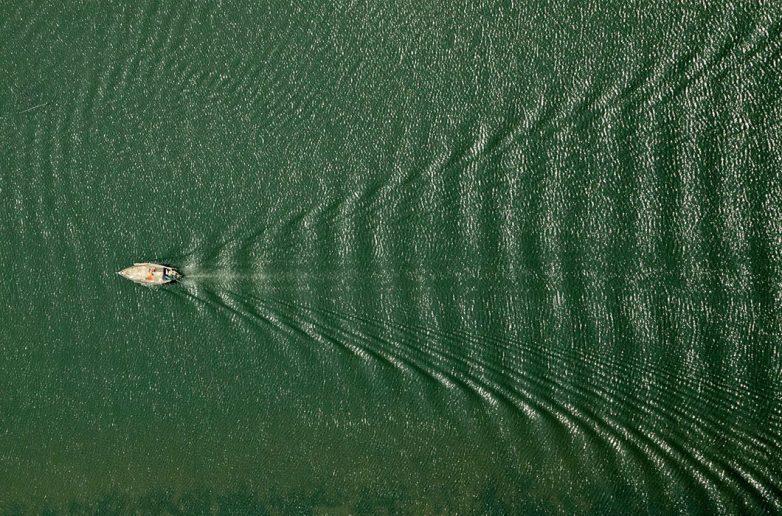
(441, 257)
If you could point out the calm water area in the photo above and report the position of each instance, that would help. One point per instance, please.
(519, 257)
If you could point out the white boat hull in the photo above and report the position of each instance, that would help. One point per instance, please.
(150, 274)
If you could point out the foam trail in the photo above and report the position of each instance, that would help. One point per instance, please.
(220, 279)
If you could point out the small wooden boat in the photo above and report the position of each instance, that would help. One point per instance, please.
(151, 274)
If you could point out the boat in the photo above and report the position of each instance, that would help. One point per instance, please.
(151, 274)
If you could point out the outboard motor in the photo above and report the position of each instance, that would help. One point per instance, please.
(171, 274)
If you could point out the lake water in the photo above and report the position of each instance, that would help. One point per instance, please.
(440, 257)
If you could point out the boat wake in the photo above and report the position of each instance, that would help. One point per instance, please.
(221, 277)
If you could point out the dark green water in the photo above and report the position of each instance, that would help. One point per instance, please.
(441, 257)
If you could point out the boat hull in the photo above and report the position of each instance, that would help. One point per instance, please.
(150, 274)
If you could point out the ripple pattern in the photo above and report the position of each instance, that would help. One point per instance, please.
(484, 258)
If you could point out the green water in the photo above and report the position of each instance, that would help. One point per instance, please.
(441, 257)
